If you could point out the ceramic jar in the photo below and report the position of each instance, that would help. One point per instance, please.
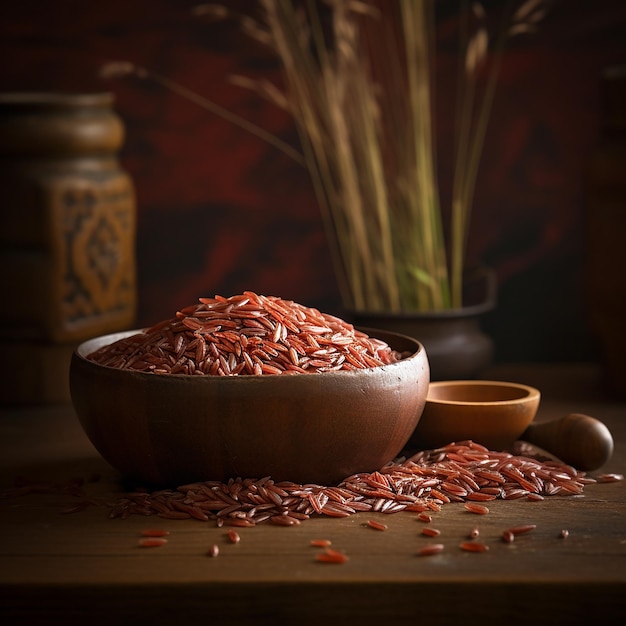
(67, 230)
(456, 345)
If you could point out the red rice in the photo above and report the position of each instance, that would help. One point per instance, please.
(474, 546)
(430, 550)
(610, 478)
(520, 530)
(330, 555)
(152, 542)
(405, 484)
(376, 525)
(246, 334)
(479, 509)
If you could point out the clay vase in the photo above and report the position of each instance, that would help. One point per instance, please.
(456, 345)
(67, 229)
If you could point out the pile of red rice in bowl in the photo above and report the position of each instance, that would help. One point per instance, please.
(249, 385)
(247, 334)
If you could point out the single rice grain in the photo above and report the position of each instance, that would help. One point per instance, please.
(376, 525)
(430, 550)
(152, 542)
(330, 555)
(479, 509)
(474, 546)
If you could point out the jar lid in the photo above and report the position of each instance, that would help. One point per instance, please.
(30, 100)
(41, 124)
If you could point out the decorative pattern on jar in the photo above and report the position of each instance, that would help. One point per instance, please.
(67, 224)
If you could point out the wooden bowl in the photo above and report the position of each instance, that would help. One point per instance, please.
(492, 413)
(318, 428)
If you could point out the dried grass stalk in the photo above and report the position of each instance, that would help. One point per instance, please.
(358, 83)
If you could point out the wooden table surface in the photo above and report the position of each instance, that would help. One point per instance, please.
(85, 568)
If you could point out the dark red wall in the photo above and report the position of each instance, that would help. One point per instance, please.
(219, 211)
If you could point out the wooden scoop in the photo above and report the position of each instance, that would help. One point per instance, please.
(576, 439)
(496, 414)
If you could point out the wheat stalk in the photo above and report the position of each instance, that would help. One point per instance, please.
(359, 86)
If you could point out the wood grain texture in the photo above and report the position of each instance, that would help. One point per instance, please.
(86, 568)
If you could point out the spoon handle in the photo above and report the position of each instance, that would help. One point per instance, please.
(576, 439)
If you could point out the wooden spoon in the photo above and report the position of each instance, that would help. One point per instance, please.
(576, 439)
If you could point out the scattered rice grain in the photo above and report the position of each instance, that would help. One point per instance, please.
(520, 530)
(479, 509)
(474, 546)
(152, 542)
(432, 549)
(376, 525)
(408, 484)
(610, 478)
(330, 555)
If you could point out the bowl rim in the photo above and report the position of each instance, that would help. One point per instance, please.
(84, 348)
(530, 393)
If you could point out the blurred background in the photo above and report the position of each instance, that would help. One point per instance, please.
(220, 211)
